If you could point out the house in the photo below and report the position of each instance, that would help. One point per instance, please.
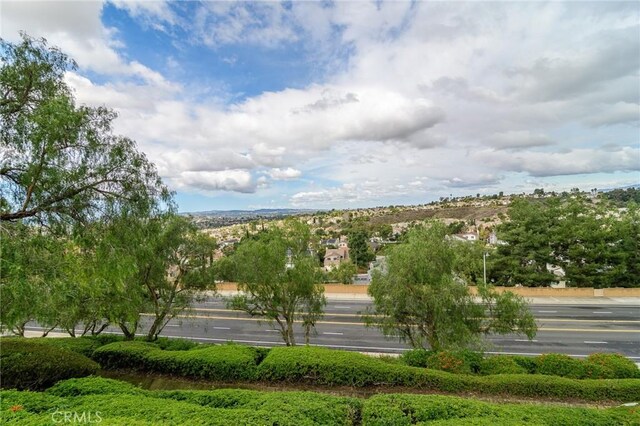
(334, 257)
(466, 237)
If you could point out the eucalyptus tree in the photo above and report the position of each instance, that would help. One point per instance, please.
(280, 281)
(420, 300)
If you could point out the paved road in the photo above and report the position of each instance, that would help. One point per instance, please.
(573, 329)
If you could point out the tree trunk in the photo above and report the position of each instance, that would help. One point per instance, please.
(291, 337)
(128, 334)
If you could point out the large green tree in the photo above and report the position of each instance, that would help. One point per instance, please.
(421, 301)
(279, 280)
(528, 235)
(60, 162)
(359, 251)
(154, 265)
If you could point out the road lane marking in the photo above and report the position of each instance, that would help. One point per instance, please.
(173, 325)
(342, 307)
(595, 343)
(276, 331)
(525, 340)
(333, 333)
(548, 312)
(600, 312)
(222, 328)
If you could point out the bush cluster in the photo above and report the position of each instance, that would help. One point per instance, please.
(28, 364)
(212, 362)
(119, 403)
(316, 365)
(596, 366)
(405, 409)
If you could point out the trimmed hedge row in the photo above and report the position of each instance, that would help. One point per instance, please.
(122, 404)
(595, 366)
(119, 403)
(404, 409)
(215, 362)
(315, 365)
(31, 365)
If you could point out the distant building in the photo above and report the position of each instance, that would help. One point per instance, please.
(466, 237)
(334, 257)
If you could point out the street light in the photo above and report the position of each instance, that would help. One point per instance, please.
(484, 265)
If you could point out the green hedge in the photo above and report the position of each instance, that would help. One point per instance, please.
(315, 365)
(32, 365)
(122, 404)
(501, 365)
(213, 362)
(596, 366)
(119, 403)
(395, 409)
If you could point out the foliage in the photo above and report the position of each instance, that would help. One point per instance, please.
(152, 264)
(280, 280)
(416, 357)
(623, 196)
(419, 301)
(500, 365)
(560, 365)
(62, 164)
(214, 362)
(359, 250)
(123, 404)
(403, 409)
(524, 258)
(596, 244)
(344, 272)
(32, 365)
(337, 368)
(614, 366)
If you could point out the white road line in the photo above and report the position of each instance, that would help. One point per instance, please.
(600, 312)
(548, 312)
(525, 340)
(173, 325)
(222, 328)
(342, 307)
(275, 331)
(595, 343)
(333, 333)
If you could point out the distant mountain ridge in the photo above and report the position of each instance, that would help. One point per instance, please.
(251, 213)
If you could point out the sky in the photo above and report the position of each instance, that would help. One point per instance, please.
(347, 104)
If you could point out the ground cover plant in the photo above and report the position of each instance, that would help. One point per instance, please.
(120, 403)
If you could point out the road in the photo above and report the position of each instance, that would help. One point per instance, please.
(576, 330)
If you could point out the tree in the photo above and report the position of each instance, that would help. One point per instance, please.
(528, 249)
(344, 272)
(419, 301)
(279, 280)
(359, 250)
(60, 163)
(152, 265)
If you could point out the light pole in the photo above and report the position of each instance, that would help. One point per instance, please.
(484, 266)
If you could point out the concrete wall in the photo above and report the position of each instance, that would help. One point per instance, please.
(522, 291)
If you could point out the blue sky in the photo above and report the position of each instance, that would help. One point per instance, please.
(354, 104)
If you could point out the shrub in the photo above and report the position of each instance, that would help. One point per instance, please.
(33, 365)
(526, 362)
(416, 357)
(406, 409)
(213, 362)
(615, 366)
(453, 362)
(93, 385)
(82, 345)
(329, 367)
(176, 344)
(500, 365)
(560, 365)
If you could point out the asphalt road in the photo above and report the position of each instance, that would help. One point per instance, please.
(572, 329)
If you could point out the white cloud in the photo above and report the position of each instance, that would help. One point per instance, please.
(284, 174)
(224, 180)
(517, 140)
(413, 98)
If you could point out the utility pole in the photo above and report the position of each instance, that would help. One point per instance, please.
(484, 265)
